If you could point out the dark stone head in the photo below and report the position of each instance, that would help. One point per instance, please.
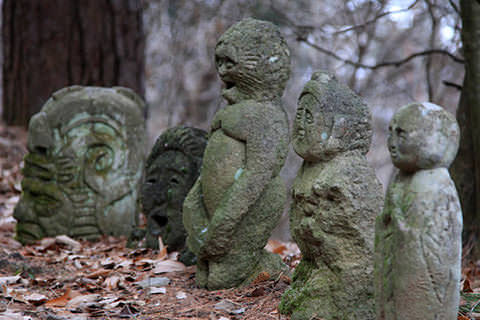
(172, 168)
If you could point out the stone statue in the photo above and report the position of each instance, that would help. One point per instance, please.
(336, 197)
(171, 169)
(418, 235)
(238, 198)
(83, 166)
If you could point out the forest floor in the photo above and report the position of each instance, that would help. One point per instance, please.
(60, 278)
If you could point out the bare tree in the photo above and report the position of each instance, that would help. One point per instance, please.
(49, 44)
(466, 168)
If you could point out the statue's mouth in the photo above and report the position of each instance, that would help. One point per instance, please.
(228, 84)
(301, 133)
(28, 232)
(159, 215)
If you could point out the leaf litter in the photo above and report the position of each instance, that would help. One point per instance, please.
(63, 278)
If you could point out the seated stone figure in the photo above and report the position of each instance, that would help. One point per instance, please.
(171, 169)
(238, 198)
(336, 197)
(418, 235)
(83, 166)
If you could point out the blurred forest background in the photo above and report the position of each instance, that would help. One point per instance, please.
(391, 52)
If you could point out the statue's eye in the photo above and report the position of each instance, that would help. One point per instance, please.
(299, 114)
(400, 132)
(64, 177)
(100, 156)
(151, 180)
(229, 63)
(174, 180)
(308, 116)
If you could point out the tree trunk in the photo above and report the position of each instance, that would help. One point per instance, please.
(466, 168)
(50, 44)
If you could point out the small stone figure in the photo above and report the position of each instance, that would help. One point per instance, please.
(238, 199)
(171, 170)
(83, 166)
(336, 197)
(418, 235)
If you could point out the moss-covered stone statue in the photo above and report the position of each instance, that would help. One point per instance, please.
(238, 198)
(336, 197)
(418, 235)
(171, 170)
(84, 164)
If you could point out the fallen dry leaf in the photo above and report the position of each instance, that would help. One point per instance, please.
(82, 299)
(9, 280)
(98, 273)
(168, 266)
(162, 249)
(262, 276)
(62, 300)
(275, 247)
(36, 299)
(112, 282)
(466, 286)
(66, 240)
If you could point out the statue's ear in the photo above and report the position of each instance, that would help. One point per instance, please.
(57, 95)
(130, 94)
(40, 136)
(339, 126)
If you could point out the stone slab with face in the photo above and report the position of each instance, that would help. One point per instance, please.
(336, 197)
(171, 169)
(238, 199)
(83, 166)
(418, 234)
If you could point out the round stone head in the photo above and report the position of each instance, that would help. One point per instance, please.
(253, 60)
(171, 170)
(330, 119)
(423, 136)
(83, 166)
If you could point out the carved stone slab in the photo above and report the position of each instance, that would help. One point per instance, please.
(84, 164)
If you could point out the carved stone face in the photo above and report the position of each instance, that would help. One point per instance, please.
(422, 136)
(171, 171)
(253, 60)
(330, 119)
(310, 129)
(81, 173)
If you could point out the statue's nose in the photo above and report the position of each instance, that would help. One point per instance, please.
(40, 137)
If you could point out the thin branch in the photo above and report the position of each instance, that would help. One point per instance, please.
(453, 85)
(428, 64)
(454, 6)
(363, 25)
(396, 63)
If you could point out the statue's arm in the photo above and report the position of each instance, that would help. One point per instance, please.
(195, 219)
(262, 138)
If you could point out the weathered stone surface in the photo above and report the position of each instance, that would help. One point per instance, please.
(83, 167)
(336, 197)
(418, 234)
(171, 170)
(238, 199)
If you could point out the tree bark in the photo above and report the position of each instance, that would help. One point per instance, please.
(50, 44)
(466, 168)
